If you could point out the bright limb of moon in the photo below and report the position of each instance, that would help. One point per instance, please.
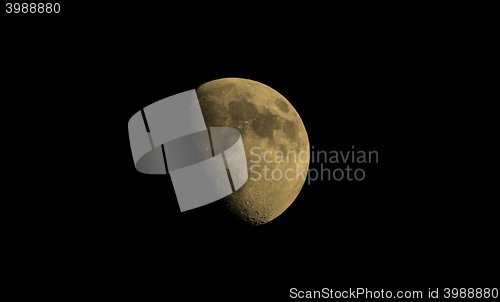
(275, 140)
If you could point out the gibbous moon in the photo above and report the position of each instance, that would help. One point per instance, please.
(275, 139)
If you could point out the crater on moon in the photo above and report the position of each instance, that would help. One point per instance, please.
(275, 141)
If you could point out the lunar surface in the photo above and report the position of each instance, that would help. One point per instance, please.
(275, 139)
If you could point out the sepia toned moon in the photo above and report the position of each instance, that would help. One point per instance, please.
(275, 140)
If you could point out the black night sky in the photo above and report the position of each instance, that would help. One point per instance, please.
(393, 82)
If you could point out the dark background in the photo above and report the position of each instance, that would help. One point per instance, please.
(405, 83)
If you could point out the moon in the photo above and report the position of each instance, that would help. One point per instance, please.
(275, 140)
